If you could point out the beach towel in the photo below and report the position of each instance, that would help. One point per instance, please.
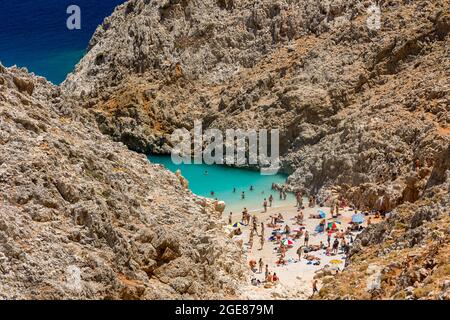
(358, 218)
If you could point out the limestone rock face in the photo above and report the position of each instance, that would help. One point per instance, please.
(82, 217)
(362, 112)
(354, 106)
(404, 257)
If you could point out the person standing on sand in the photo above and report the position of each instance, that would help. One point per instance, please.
(265, 205)
(314, 287)
(245, 216)
(299, 253)
(230, 218)
(270, 200)
(261, 265)
(298, 196)
(329, 238)
(306, 238)
(262, 229)
(267, 272)
(261, 242)
(335, 246)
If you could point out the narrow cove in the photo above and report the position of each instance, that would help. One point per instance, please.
(222, 180)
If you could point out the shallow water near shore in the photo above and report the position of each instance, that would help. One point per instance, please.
(222, 179)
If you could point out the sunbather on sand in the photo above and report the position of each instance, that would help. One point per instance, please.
(281, 261)
(311, 257)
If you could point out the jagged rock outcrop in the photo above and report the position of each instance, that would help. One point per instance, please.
(82, 217)
(365, 112)
(405, 257)
(354, 105)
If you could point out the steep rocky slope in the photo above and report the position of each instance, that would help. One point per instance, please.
(84, 217)
(354, 106)
(406, 256)
(364, 112)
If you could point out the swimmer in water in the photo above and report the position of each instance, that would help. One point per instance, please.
(206, 172)
(212, 193)
(234, 190)
(251, 188)
(243, 195)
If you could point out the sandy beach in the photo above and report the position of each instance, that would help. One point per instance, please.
(296, 276)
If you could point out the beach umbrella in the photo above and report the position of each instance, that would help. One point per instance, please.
(238, 225)
(336, 261)
(322, 214)
(358, 218)
(334, 225)
(288, 242)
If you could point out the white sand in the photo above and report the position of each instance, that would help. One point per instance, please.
(295, 277)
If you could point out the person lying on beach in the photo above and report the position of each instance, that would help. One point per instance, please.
(311, 257)
(280, 261)
(237, 232)
(314, 247)
(298, 235)
(314, 216)
(339, 234)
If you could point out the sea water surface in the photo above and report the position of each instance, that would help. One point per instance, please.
(33, 34)
(222, 180)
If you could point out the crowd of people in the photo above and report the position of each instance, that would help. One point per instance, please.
(294, 235)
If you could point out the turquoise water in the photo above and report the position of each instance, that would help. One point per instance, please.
(222, 180)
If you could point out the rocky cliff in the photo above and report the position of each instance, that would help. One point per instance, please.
(364, 112)
(82, 217)
(354, 106)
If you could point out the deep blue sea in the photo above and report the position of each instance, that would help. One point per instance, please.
(33, 34)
